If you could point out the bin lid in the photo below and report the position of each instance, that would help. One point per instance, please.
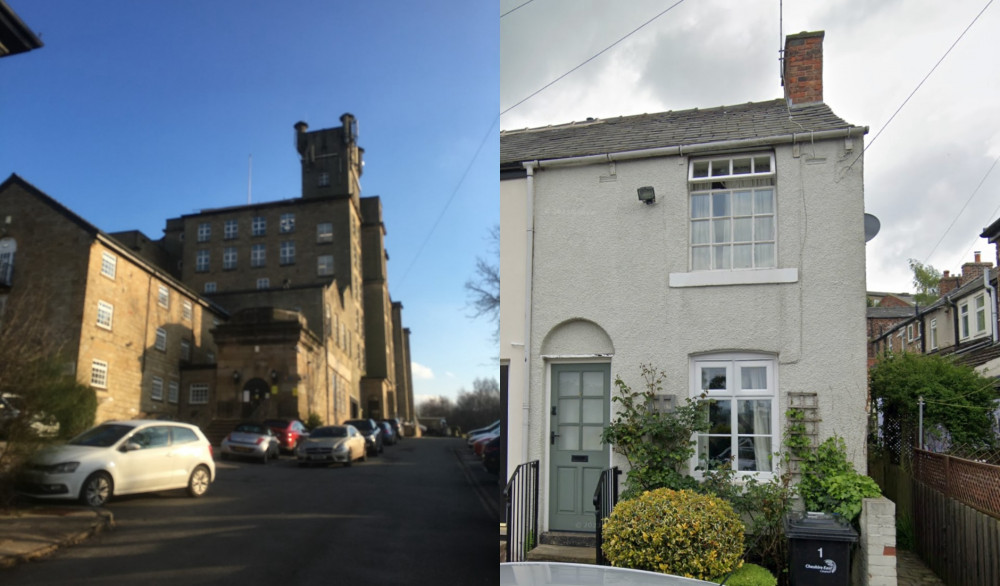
(821, 526)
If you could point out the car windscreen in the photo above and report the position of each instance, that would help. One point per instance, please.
(328, 432)
(101, 436)
(258, 429)
(363, 425)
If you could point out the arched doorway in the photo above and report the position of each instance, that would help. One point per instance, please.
(255, 394)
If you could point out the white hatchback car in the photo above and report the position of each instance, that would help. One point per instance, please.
(122, 457)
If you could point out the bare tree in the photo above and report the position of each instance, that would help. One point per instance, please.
(483, 290)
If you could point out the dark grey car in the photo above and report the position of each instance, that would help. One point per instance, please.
(372, 432)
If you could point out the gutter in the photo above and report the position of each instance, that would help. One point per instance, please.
(709, 147)
(530, 269)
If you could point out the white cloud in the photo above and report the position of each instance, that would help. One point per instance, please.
(421, 372)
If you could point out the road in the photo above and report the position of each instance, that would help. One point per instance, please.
(421, 513)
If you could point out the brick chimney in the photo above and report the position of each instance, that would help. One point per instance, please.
(802, 69)
(948, 284)
(974, 270)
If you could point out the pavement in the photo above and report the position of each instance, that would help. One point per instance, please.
(37, 531)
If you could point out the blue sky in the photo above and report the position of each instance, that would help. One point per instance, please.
(135, 112)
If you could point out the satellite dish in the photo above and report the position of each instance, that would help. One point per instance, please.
(872, 226)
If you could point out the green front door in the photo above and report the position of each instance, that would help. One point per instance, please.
(580, 411)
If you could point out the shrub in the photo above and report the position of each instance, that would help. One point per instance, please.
(830, 484)
(748, 575)
(674, 532)
(313, 421)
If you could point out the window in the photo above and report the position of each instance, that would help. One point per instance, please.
(231, 229)
(210, 287)
(105, 314)
(263, 283)
(934, 341)
(741, 414)
(99, 374)
(287, 256)
(229, 258)
(161, 339)
(187, 311)
(210, 357)
(109, 264)
(732, 213)
(199, 394)
(909, 332)
(259, 226)
(323, 180)
(324, 232)
(173, 392)
(201, 261)
(156, 393)
(287, 223)
(980, 303)
(972, 317)
(185, 350)
(8, 246)
(204, 232)
(258, 255)
(324, 265)
(163, 297)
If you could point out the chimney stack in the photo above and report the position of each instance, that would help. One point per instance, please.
(948, 283)
(802, 70)
(974, 270)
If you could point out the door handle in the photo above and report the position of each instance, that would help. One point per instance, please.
(553, 437)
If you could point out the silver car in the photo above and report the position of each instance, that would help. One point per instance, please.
(122, 457)
(251, 440)
(332, 443)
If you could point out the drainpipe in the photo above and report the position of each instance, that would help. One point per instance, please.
(529, 271)
(993, 304)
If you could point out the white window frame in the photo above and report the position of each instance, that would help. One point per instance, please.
(105, 315)
(229, 258)
(286, 224)
(163, 297)
(99, 374)
(187, 310)
(731, 363)
(202, 261)
(109, 265)
(973, 321)
(909, 332)
(934, 341)
(210, 287)
(198, 394)
(204, 232)
(173, 392)
(156, 389)
(324, 265)
(258, 227)
(161, 340)
(979, 302)
(263, 283)
(258, 255)
(231, 230)
(286, 255)
(324, 232)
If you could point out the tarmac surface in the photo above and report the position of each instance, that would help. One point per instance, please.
(31, 533)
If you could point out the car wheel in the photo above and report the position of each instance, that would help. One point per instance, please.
(199, 481)
(96, 489)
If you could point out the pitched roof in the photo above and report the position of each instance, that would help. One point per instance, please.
(755, 120)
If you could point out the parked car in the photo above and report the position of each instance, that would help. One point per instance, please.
(332, 443)
(122, 457)
(251, 440)
(388, 434)
(372, 432)
(492, 429)
(289, 431)
(491, 456)
(480, 444)
(397, 426)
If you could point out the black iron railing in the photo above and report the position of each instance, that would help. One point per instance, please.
(521, 504)
(605, 499)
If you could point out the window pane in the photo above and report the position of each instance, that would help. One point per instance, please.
(720, 416)
(593, 410)
(754, 454)
(569, 384)
(743, 230)
(762, 164)
(699, 205)
(742, 203)
(593, 384)
(701, 258)
(700, 232)
(741, 166)
(763, 201)
(713, 379)
(763, 255)
(720, 168)
(720, 205)
(763, 228)
(742, 256)
(714, 452)
(699, 169)
(592, 437)
(721, 256)
(569, 411)
(753, 378)
(754, 417)
(569, 437)
(720, 231)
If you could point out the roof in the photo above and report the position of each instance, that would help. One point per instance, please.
(754, 120)
(15, 36)
(889, 312)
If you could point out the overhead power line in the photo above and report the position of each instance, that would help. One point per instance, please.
(974, 192)
(605, 50)
(516, 8)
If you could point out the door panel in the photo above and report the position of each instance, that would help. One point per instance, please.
(580, 411)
